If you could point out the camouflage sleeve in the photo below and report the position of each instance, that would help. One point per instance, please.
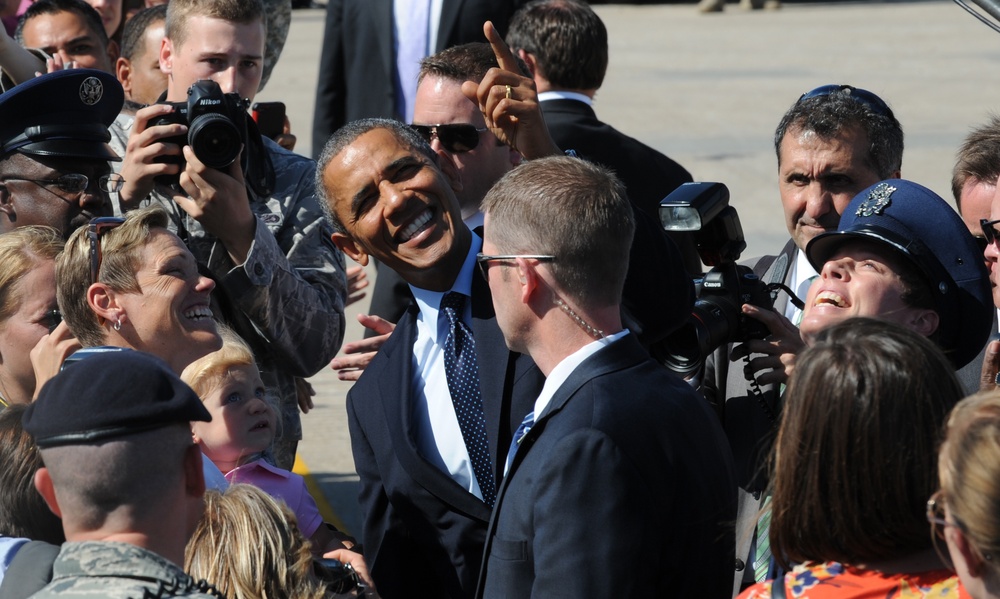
(279, 19)
(292, 285)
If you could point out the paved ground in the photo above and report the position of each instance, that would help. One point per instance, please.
(708, 90)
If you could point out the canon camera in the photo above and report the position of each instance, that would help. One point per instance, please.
(717, 316)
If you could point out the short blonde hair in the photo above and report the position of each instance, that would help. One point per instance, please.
(121, 250)
(203, 374)
(21, 250)
(249, 546)
(235, 11)
(969, 470)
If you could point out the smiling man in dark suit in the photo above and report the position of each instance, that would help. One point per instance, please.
(428, 477)
(620, 482)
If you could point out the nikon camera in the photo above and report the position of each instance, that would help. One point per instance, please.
(217, 127)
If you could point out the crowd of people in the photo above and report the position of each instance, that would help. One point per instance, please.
(170, 277)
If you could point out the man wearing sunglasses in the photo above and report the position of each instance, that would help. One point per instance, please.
(973, 184)
(54, 168)
(834, 142)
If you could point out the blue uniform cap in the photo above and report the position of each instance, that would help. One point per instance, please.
(64, 114)
(921, 227)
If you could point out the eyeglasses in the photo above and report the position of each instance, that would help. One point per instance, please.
(990, 232)
(875, 103)
(483, 260)
(936, 518)
(75, 183)
(456, 138)
(97, 227)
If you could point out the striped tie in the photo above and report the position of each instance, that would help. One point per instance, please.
(762, 561)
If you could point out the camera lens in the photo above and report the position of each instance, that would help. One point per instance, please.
(215, 140)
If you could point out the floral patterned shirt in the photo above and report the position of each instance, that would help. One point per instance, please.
(834, 580)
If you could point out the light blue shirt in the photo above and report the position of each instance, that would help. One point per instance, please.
(438, 436)
(9, 547)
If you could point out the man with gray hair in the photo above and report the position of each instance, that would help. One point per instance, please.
(832, 143)
(619, 482)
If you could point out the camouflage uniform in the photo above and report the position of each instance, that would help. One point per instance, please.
(287, 300)
(112, 570)
(279, 19)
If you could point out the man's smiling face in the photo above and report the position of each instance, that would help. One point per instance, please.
(397, 206)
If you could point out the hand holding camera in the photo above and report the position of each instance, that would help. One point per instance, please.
(194, 148)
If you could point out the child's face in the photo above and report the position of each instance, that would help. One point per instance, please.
(242, 421)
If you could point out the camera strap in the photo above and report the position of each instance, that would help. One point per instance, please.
(257, 166)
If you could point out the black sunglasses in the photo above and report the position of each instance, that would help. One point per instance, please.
(990, 233)
(98, 227)
(875, 103)
(456, 138)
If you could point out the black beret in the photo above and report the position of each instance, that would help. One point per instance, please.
(66, 114)
(107, 395)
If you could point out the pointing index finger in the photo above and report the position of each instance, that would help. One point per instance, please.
(505, 58)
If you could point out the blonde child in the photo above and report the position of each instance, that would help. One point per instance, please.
(243, 428)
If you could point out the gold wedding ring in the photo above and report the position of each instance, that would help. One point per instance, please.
(507, 95)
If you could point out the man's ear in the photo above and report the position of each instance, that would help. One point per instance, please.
(351, 249)
(529, 60)
(113, 52)
(43, 484)
(167, 56)
(529, 280)
(123, 70)
(925, 322)
(7, 204)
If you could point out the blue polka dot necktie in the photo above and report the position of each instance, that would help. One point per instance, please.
(462, 372)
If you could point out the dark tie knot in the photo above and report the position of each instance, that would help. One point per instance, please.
(453, 300)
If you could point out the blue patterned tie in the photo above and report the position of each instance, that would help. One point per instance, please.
(522, 430)
(462, 373)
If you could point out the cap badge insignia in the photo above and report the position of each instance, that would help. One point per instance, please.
(878, 200)
(91, 91)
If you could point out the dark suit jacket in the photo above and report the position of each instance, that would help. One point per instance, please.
(357, 70)
(969, 374)
(750, 415)
(623, 488)
(423, 533)
(648, 175)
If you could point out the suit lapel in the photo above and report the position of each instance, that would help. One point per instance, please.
(494, 360)
(446, 27)
(396, 395)
(382, 14)
(624, 353)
